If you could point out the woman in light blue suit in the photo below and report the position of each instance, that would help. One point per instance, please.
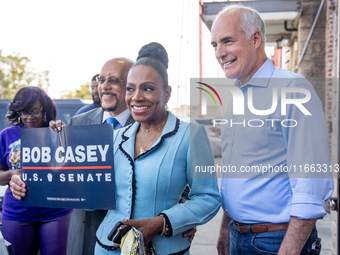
(154, 160)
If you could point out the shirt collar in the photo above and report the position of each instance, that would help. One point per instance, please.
(262, 76)
(121, 118)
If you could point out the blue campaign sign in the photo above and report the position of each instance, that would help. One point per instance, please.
(69, 169)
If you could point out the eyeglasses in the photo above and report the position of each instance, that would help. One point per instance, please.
(93, 88)
(112, 80)
(35, 113)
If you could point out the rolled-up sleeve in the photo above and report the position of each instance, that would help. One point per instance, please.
(307, 203)
(309, 157)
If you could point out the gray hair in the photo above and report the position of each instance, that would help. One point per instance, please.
(250, 20)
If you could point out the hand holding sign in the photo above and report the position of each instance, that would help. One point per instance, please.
(56, 125)
(18, 187)
(71, 168)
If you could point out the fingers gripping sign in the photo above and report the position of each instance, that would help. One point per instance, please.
(56, 125)
(18, 187)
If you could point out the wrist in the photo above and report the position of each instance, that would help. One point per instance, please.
(13, 172)
(10, 174)
(166, 231)
(159, 224)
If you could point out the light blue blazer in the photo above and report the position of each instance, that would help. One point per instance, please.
(153, 182)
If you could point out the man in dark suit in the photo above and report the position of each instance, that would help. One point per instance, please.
(111, 88)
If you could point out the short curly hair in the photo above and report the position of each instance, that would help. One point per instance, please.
(24, 100)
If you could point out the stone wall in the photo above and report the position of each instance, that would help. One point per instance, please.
(313, 62)
(321, 61)
(332, 114)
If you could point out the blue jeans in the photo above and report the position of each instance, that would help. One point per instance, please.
(262, 243)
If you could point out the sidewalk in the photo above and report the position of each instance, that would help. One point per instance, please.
(206, 237)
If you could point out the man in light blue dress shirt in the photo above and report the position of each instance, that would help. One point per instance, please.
(277, 146)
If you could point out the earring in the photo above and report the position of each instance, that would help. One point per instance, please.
(44, 118)
(166, 106)
(19, 120)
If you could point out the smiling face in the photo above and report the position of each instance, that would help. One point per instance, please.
(112, 93)
(32, 121)
(146, 96)
(238, 57)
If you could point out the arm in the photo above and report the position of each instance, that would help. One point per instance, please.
(149, 227)
(7, 137)
(205, 198)
(296, 236)
(6, 175)
(308, 150)
(310, 193)
(224, 236)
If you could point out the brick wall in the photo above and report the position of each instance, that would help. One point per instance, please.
(313, 62)
(331, 59)
(321, 61)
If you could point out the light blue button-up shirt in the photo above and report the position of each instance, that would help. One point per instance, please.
(293, 147)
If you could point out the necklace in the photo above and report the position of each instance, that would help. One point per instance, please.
(142, 148)
(148, 130)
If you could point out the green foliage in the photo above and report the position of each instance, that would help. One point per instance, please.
(82, 93)
(15, 73)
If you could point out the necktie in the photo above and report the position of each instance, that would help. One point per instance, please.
(111, 120)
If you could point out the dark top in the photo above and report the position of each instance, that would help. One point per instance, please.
(86, 108)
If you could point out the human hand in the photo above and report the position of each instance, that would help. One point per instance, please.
(331, 205)
(223, 242)
(149, 227)
(190, 233)
(328, 207)
(56, 125)
(17, 186)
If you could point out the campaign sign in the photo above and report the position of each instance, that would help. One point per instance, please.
(69, 169)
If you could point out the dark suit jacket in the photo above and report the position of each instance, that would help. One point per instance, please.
(84, 224)
(93, 117)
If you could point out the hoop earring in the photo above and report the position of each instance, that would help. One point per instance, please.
(19, 120)
(44, 118)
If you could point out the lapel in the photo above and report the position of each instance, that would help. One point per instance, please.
(96, 116)
(127, 143)
(129, 121)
